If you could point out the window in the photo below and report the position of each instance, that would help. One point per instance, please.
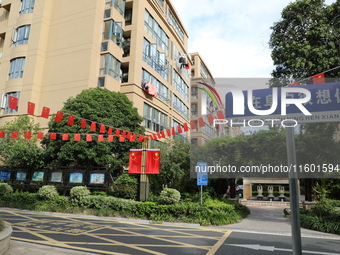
(119, 5)
(194, 94)
(181, 86)
(153, 119)
(194, 110)
(27, 6)
(128, 17)
(113, 31)
(162, 90)
(180, 106)
(161, 2)
(109, 65)
(155, 59)
(194, 141)
(16, 69)
(183, 135)
(5, 100)
(173, 22)
(208, 130)
(20, 35)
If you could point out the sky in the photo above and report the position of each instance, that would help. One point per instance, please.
(232, 36)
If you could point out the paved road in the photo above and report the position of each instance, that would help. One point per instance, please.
(265, 231)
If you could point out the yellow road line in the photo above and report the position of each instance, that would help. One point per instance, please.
(219, 243)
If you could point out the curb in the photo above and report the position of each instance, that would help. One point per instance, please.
(5, 237)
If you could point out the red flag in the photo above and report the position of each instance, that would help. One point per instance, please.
(2, 134)
(179, 129)
(110, 138)
(40, 135)
(102, 128)
(153, 159)
(13, 103)
(129, 135)
(294, 84)
(122, 139)
(133, 137)
(30, 108)
(201, 122)
(220, 115)
(173, 132)
(123, 133)
(59, 116)
(70, 120)
(153, 137)
(15, 134)
(76, 137)
(88, 138)
(100, 138)
(186, 127)
(162, 134)
(53, 136)
(117, 132)
(93, 126)
(83, 123)
(109, 131)
(135, 161)
(159, 135)
(28, 135)
(319, 78)
(45, 112)
(141, 138)
(168, 132)
(193, 124)
(210, 119)
(64, 137)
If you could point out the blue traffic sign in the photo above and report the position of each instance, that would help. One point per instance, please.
(202, 174)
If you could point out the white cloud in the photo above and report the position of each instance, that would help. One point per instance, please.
(232, 36)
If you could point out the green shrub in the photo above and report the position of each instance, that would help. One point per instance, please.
(5, 188)
(170, 196)
(125, 187)
(47, 192)
(79, 195)
(2, 224)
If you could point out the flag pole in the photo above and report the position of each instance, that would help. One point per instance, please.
(144, 178)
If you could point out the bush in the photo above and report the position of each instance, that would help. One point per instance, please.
(2, 224)
(125, 187)
(5, 189)
(170, 196)
(79, 195)
(47, 192)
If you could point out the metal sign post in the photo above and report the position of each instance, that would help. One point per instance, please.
(202, 176)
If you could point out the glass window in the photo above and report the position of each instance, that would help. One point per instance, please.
(179, 106)
(154, 119)
(113, 31)
(162, 90)
(27, 6)
(109, 65)
(20, 35)
(5, 102)
(16, 69)
(155, 59)
(180, 85)
(128, 17)
(119, 5)
(175, 24)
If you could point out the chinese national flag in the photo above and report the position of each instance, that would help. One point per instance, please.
(153, 159)
(135, 161)
(186, 127)
(162, 134)
(122, 139)
(168, 132)
(141, 138)
(173, 132)
(64, 137)
(53, 136)
(30, 108)
(220, 115)
(133, 137)
(88, 138)
(100, 138)
(210, 119)
(59, 116)
(201, 122)
(83, 123)
(76, 137)
(109, 131)
(294, 84)
(13, 103)
(117, 132)
(193, 124)
(123, 133)
(40, 135)
(102, 128)
(153, 137)
(15, 134)
(179, 129)
(28, 135)
(128, 136)
(319, 78)
(110, 138)
(2, 134)
(45, 112)
(93, 126)
(70, 120)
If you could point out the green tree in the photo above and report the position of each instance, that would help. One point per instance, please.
(20, 152)
(103, 107)
(305, 41)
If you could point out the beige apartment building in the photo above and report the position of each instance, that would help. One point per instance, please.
(52, 50)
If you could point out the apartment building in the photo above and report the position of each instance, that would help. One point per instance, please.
(52, 50)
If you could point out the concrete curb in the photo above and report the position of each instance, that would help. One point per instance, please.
(5, 237)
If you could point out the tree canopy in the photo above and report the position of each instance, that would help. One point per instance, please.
(103, 107)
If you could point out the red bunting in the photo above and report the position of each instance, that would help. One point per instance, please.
(123, 133)
(129, 135)
(83, 123)
(319, 78)
(133, 137)
(53, 136)
(30, 108)
(100, 138)
(294, 84)
(88, 138)
(122, 139)
(76, 137)
(102, 128)
(13, 103)
(186, 127)
(110, 138)
(117, 132)
(109, 131)
(2, 134)
(159, 135)
(193, 125)
(173, 132)
(59, 116)
(64, 137)
(93, 126)
(141, 138)
(211, 119)
(201, 122)
(45, 112)
(28, 135)
(15, 134)
(153, 137)
(179, 129)
(40, 135)
(168, 132)
(162, 134)
(70, 120)
(220, 115)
